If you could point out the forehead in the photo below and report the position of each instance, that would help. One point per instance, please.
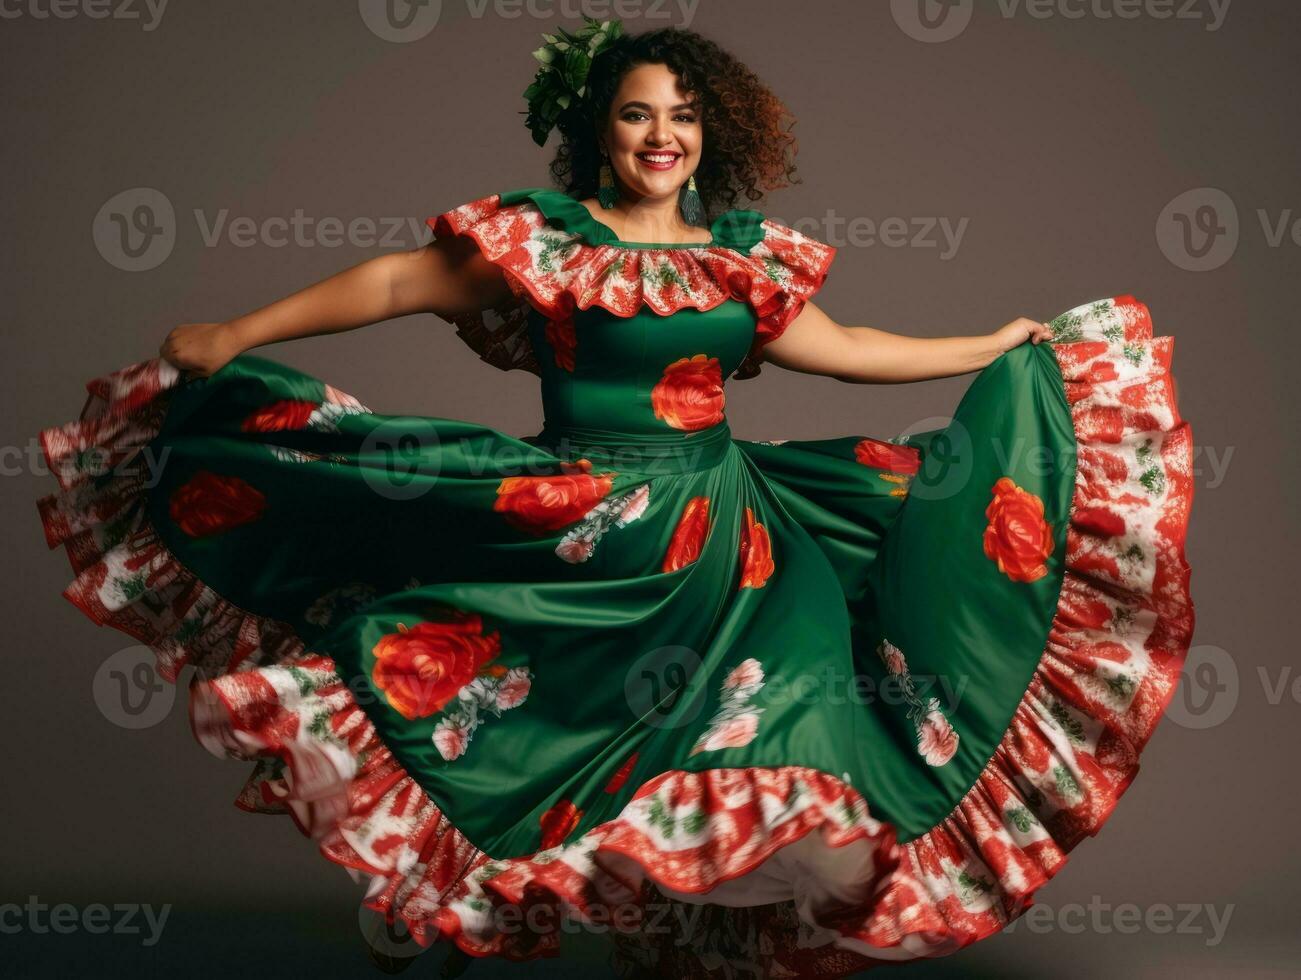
(654, 84)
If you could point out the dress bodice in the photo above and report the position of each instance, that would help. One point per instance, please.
(636, 337)
(641, 373)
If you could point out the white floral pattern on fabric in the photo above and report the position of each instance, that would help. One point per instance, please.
(936, 740)
(579, 542)
(454, 730)
(736, 722)
(287, 415)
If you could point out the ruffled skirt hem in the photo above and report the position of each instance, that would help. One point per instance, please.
(724, 837)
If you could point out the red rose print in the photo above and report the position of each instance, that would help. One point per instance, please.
(888, 456)
(1017, 537)
(420, 668)
(689, 535)
(287, 413)
(756, 553)
(538, 504)
(619, 778)
(690, 394)
(209, 504)
(560, 335)
(558, 822)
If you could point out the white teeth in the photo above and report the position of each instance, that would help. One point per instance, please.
(658, 157)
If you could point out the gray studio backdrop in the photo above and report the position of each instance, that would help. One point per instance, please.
(1034, 156)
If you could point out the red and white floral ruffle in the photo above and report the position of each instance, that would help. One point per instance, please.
(557, 271)
(1120, 633)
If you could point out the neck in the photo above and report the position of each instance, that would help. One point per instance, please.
(652, 219)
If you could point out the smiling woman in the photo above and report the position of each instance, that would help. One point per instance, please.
(624, 665)
(657, 95)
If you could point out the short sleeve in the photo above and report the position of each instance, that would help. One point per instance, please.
(503, 234)
(538, 260)
(794, 267)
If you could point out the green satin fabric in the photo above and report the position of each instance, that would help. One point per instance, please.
(620, 360)
(627, 657)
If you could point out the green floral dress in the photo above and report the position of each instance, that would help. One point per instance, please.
(850, 699)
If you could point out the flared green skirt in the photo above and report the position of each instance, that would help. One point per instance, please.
(859, 695)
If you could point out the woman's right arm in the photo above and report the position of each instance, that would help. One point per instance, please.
(446, 277)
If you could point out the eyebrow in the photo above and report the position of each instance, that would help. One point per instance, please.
(643, 105)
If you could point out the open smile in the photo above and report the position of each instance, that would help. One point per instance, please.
(659, 160)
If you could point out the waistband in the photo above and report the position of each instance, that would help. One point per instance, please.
(652, 453)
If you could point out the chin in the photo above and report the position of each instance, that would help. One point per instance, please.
(659, 185)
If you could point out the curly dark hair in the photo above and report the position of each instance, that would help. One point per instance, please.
(747, 147)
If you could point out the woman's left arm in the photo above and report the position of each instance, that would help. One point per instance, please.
(813, 343)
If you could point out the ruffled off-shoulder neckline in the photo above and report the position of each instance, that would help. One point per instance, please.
(739, 229)
(557, 259)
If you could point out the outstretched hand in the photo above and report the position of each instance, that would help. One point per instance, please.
(1020, 330)
(199, 349)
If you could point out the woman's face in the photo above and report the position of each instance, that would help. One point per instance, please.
(653, 134)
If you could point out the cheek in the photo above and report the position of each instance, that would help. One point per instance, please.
(626, 139)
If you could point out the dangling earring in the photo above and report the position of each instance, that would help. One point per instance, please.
(689, 203)
(607, 193)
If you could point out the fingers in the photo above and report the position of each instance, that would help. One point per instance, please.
(1034, 330)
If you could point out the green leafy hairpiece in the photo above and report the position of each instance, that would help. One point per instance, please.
(561, 81)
